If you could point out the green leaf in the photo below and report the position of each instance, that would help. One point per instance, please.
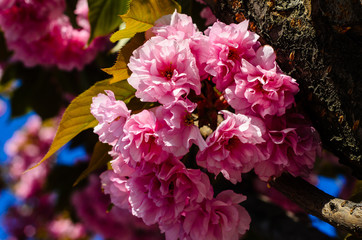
(104, 16)
(77, 116)
(142, 14)
(100, 158)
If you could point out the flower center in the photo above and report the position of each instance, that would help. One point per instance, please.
(189, 119)
(232, 143)
(233, 54)
(167, 73)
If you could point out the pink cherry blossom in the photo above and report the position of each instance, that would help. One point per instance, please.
(177, 129)
(219, 218)
(292, 145)
(115, 185)
(111, 115)
(140, 142)
(163, 70)
(228, 45)
(180, 27)
(232, 146)
(160, 193)
(261, 87)
(176, 25)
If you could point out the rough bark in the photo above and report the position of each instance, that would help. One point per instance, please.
(319, 44)
(345, 215)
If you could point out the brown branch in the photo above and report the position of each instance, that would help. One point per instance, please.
(342, 214)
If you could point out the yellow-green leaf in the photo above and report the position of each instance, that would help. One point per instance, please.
(77, 116)
(119, 70)
(142, 14)
(100, 158)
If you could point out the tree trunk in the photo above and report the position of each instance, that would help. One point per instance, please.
(319, 44)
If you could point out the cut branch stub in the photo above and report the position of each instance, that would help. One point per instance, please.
(342, 214)
(321, 48)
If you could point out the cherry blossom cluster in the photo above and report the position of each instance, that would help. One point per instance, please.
(40, 34)
(221, 80)
(24, 149)
(36, 219)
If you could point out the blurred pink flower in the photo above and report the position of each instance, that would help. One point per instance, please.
(26, 148)
(163, 70)
(40, 34)
(3, 106)
(261, 86)
(29, 20)
(27, 220)
(64, 228)
(232, 146)
(208, 15)
(111, 116)
(4, 4)
(229, 44)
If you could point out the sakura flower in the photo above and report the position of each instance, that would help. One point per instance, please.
(176, 25)
(231, 148)
(111, 115)
(219, 218)
(180, 27)
(163, 70)
(177, 129)
(261, 87)
(292, 145)
(160, 193)
(228, 45)
(140, 141)
(115, 185)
